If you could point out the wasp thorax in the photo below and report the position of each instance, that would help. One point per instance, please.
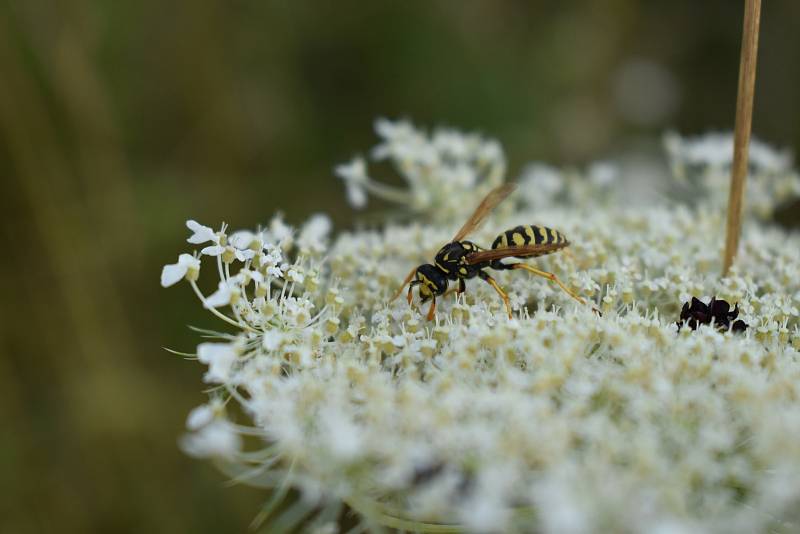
(451, 260)
(431, 281)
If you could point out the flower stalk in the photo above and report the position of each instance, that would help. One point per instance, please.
(744, 119)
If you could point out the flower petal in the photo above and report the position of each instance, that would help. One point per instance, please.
(214, 250)
(221, 297)
(243, 255)
(242, 239)
(201, 233)
(199, 417)
(220, 358)
(218, 439)
(172, 274)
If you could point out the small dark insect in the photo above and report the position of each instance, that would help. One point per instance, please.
(460, 260)
(719, 311)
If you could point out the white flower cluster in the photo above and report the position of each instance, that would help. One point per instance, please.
(558, 420)
(444, 170)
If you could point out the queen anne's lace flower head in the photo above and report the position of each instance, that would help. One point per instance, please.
(557, 420)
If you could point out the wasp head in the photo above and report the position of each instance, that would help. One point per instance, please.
(431, 281)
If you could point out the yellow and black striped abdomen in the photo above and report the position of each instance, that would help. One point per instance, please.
(528, 235)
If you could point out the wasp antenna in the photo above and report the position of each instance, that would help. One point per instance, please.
(410, 296)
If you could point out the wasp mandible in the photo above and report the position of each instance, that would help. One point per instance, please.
(460, 260)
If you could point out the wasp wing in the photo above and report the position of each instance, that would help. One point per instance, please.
(524, 251)
(489, 203)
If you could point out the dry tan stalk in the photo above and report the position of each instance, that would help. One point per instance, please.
(744, 119)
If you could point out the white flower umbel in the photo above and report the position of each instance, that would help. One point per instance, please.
(558, 420)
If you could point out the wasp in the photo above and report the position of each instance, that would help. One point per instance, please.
(460, 260)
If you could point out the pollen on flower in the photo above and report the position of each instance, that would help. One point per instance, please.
(557, 420)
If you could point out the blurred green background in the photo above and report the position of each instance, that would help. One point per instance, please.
(120, 119)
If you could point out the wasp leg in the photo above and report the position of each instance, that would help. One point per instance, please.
(410, 295)
(432, 309)
(460, 288)
(405, 282)
(554, 278)
(451, 291)
(491, 281)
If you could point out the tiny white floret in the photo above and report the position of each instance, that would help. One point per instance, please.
(220, 358)
(187, 266)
